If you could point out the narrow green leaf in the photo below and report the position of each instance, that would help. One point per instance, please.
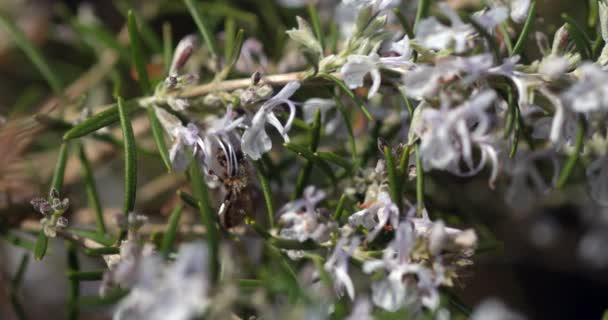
(130, 156)
(15, 284)
(339, 208)
(208, 217)
(91, 188)
(404, 160)
(403, 22)
(19, 241)
(422, 11)
(230, 35)
(335, 159)
(188, 199)
(235, 53)
(74, 285)
(18, 278)
(167, 46)
(315, 135)
(393, 182)
(137, 54)
(101, 251)
(316, 23)
(170, 234)
(100, 120)
(32, 53)
(518, 123)
(573, 158)
(419, 181)
(62, 159)
(307, 154)
(157, 133)
(581, 39)
(202, 27)
(349, 93)
(506, 37)
(523, 36)
(349, 127)
(266, 191)
(91, 234)
(94, 275)
(593, 16)
(108, 299)
(41, 245)
(509, 121)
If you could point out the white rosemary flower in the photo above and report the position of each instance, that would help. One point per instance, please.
(221, 136)
(448, 136)
(255, 141)
(491, 18)
(52, 211)
(179, 291)
(590, 92)
(407, 283)
(519, 10)
(376, 215)
(186, 139)
(434, 35)
(425, 81)
(300, 219)
(527, 182)
(337, 266)
(378, 5)
(358, 66)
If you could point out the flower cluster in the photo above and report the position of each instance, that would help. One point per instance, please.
(52, 211)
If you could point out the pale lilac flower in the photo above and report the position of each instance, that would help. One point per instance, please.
(491, 18)
(378, 5)
(397, 290)
(179, 291)
(425, 81)
(447, 136)
(590, 92)
(434, 35)
(186, 139)
(52, 211)
(358, 66)
(527, 182)
(300, 218)
(376, 215)
(255, 141)
(221, 136)
(519, 10)
(337, 266)
(362, 310)
(494, 309)
(559, 129)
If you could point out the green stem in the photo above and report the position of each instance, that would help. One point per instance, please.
(91, 188)
(419, 181)
(266, 191)
(523, 36)
(573, 158)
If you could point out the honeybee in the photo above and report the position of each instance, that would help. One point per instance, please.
(233, 173)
